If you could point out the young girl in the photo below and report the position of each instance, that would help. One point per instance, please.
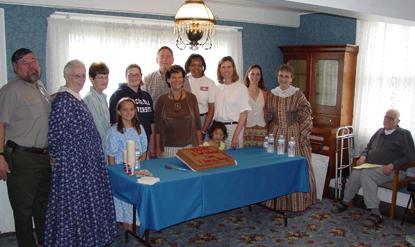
(217, 133)
(127, 128)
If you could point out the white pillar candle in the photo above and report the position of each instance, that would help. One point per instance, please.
(131, 157)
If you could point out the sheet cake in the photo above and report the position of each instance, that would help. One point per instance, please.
(205, 158)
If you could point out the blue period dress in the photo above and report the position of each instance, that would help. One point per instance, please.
(80, 209)
(114, 145)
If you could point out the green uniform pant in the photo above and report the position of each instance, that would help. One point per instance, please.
(28, 187)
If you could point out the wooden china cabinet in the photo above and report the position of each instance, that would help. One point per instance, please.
(326, 75)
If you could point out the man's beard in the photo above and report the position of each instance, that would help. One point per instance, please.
(33, 77)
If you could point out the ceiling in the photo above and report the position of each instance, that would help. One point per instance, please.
(391, 11)
(272, 12)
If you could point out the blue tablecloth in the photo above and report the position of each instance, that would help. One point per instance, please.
(182, 196)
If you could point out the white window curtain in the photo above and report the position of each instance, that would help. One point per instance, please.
(105, 39)
(3, 59)
(385, 77)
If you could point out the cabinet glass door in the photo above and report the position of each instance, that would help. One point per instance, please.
(300, 70)
(326, 82)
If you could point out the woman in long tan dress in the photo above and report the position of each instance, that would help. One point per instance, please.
(291, 117)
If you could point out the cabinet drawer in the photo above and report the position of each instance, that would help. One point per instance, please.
(318, 143)
(326, 120)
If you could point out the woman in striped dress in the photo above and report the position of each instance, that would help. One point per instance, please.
(291, 117)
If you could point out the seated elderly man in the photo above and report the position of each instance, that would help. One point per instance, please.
(390, 146)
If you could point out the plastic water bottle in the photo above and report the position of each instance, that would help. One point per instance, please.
(271, 143)
(265, 144)
(281, 145)
(291, 147)
(137, 159)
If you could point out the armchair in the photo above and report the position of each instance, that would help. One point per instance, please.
(394, 185)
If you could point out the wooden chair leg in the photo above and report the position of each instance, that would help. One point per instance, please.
(393, 204)
(351, 203)
(413, 204)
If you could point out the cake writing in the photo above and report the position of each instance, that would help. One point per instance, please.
(203, 151)
(213, 159)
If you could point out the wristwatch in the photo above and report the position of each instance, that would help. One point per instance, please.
(2, 153)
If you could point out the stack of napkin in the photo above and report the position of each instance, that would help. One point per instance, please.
(148, 180)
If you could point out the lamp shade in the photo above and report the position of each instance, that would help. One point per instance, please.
(192, 20)
(194, 11)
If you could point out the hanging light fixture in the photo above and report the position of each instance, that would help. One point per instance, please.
(192, 20)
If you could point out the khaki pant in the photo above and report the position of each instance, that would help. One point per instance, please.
(28, 187)
(368, 179)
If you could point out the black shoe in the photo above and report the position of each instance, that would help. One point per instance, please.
(338, 207)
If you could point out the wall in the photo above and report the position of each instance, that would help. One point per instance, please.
(26, 26)
(318, 29)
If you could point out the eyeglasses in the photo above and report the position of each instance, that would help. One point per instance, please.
(134, 75)
(101, 78)
(78, 76)
(390, 118)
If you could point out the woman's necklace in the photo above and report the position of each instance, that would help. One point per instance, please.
(176, 103)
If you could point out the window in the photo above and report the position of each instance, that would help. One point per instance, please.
(120, 41)
(385, 77)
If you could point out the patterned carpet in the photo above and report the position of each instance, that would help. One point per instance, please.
(317, 226)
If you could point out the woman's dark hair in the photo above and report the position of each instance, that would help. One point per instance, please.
(235, 75)
(174, 69)
(135, 121)
(98, 68)
(261, 83)
(288, 68)
(216, 125)
(194, 57)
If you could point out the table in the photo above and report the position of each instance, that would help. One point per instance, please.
(182, 196)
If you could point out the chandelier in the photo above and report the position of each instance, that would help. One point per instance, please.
(192, 20)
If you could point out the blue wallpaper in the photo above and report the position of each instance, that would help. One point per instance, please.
(26, 26)
(316, 29)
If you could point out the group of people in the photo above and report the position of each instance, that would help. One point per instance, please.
(170, 109)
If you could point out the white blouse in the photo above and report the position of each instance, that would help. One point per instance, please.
(230, 101)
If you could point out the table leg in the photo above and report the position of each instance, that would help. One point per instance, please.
(275, 210)
(146, 240)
